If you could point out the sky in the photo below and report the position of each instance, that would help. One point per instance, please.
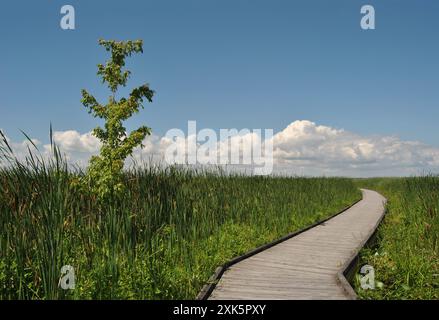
(238, 64)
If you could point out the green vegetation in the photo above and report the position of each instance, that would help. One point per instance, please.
(104, 175)
(146, 233)
(406, 259)
(159, 233)
(162, 240)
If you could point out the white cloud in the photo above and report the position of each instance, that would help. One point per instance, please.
(303, 148)
(323, 149)
(73, 141)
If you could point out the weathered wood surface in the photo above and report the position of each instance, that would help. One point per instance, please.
(306, 266)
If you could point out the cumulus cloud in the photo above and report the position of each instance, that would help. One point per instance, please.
(20, 149)
(316, 148)
(302, 148)
(73, 141)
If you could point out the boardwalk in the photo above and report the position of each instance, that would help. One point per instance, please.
(306, 266)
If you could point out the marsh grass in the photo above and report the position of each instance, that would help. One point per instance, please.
(406, 258)
(162, 240)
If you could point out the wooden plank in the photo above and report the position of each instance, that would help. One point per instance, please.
(305, 266)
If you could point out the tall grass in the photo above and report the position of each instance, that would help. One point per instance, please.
(163, 240)
(406, 259)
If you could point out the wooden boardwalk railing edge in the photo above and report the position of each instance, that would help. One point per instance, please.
(347, 272)
(208, 288)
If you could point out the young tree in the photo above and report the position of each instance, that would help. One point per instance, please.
(105, 171)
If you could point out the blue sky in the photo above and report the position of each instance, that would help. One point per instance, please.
(254, 64)
(228, 64)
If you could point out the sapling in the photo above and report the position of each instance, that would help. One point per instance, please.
(104, 174)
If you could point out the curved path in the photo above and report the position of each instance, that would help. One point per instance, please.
(308, 265)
